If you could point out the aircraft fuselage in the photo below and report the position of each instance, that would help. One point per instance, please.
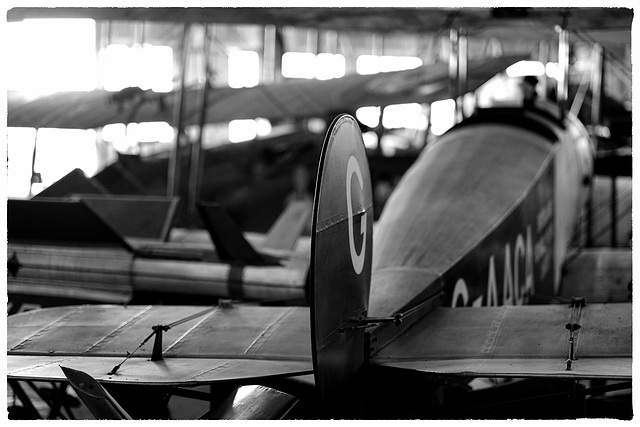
(485, 215)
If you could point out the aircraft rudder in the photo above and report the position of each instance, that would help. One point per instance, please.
(341, 257)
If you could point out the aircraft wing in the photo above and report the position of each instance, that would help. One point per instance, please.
(216, 344)
(517, 341)
(294, 98)
(303, 98)
(600, 275)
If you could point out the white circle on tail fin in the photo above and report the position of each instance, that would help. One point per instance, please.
(357, 259)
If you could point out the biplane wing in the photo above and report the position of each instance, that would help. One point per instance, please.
(522, 342)
(292, 99)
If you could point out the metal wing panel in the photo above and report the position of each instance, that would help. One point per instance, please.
(517, 341)
(214, 344)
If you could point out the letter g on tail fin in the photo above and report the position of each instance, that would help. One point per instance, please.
(341, 257)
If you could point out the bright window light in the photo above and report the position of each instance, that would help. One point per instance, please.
(316, 125)
(442, 116)
(155, 132)
(369, 116)
(242, 130)
(244, 68)
(146, 66)
(330, 66)
(402, 116)
(263, 127)
(20, 143)
(114, 132)
(370, 139)
(127, 138)
(552, 69)
(499, 89)
(299, 65)
(303, 65)
(368, 64)
(526, 68)
(116, 75)
(372, 64)
(397, 63)
(59, 151)
(49, 55)
(156, 69)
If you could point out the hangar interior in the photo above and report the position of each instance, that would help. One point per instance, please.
(143, 143)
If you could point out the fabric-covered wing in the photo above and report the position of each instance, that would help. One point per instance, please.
(517, 341)
(295, 98)
(234, 343)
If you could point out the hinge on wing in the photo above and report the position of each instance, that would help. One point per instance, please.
(573, 326)
(364, 322)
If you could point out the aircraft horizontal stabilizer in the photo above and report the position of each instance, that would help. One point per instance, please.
(113, 345)
(552, 341)
(600, 275)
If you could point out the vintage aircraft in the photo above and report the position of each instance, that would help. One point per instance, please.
(135, 271)
(264, 167)
(479, 226)
(80, 249)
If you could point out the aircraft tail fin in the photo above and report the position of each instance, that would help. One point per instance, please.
(342, 237)
(284, 233)
(101, 404)
(228, 238)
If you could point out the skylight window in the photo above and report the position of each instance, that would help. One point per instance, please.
(299, 65)
(244, 68)
(144, 66)
(302, 65)
(526, 68)
(402, 116)
(442, 116)
(242, 130)
(127, 138)
(50, 55)
(71, 149)
(369, 116)
(330, 66)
